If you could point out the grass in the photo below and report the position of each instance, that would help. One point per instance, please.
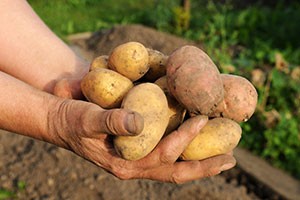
(238, 39)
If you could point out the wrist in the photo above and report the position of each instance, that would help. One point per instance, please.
(56, 123)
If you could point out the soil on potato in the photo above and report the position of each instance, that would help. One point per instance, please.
(49, 172)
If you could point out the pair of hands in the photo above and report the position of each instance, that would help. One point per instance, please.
(87, 129)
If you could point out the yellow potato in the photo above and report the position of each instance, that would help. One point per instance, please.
(99, 62)
(105, 87)
(176, 111)
(150, 101)
(157, 65)
(129, 59)
(218, 136)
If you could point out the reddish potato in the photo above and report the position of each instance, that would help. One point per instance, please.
(240, 99)
(194, 80)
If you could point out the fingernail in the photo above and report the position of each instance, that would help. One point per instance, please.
(227, 166)
(202, 122)
(134, 123)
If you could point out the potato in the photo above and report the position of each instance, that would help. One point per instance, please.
(218, 136)
(240, 99)
(129, 59)
(194, 80)
(99, 62)
(176, 111)
(150, 101)
(105, 87)
(157, 65)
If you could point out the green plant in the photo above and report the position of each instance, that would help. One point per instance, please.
(6, 194)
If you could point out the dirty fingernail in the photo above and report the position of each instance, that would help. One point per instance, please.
(134, 123)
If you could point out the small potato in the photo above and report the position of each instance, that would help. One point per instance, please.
(99, 62)
(129, 59)
(194, 80)
(157, 65)
(218, 136)
(240, 99)
(176, 111)
(105, 87)
(151, 103)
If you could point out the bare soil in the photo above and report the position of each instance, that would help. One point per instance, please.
(50, 172)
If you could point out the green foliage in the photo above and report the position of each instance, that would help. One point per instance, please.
(6, 194)
(9, 194)
(274, 132)
(245, 38)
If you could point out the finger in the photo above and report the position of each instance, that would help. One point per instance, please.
(200, 169)
(171, 147)
(118, 122)
(185, 171)
(62, 89)
(68, 88)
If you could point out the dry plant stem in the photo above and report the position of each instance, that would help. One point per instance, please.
(262, 107)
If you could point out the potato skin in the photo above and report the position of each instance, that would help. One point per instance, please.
(194, 80)
(105, 87)
(157, 65)
(151, 103)
(240, 98)
(99, 62)
(176, 110)
(218, 136)
(129, 59)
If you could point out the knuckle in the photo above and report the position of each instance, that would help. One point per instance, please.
(121, 172)
(177, 178)
(164, 158)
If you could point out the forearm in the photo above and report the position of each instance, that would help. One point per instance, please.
(25, 110)
(30, 51)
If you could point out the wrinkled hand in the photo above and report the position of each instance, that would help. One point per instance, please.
(87, 129)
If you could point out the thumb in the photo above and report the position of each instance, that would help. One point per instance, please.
(119, 122)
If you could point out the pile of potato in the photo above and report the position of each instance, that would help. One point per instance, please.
(167, 90)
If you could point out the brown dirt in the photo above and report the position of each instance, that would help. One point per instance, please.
(50, 172)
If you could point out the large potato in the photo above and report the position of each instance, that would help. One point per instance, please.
(105, 87)
(157, 65)
(240, 99)
(194, 80)
(150, 101)
(176, 110)
(129, 59)
(218, 136)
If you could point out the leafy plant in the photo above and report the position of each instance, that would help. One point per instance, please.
(6, 194)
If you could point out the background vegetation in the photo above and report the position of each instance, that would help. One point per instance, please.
(258, 40)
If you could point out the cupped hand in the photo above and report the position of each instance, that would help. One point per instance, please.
(87, 130)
